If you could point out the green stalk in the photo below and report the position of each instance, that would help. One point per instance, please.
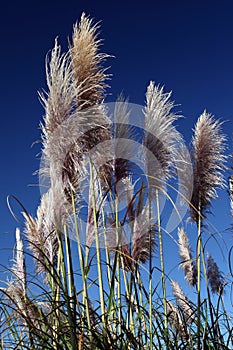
(150, 303)
(162, 265)
(118, 266)
(55, 289)
(150, 283)
(71, 321)
(70, 271)
(131, 301)
(199, 246)
(129, 321)
(140, 286)
(81, 261)
(99, 265)
(106, 243)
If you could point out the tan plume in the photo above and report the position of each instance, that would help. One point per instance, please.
(208, 145)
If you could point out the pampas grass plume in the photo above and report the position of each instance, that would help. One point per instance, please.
(208, 162)
(88, 74)
(182, 301)
(215, 277)
(187, 262)
(161, 135)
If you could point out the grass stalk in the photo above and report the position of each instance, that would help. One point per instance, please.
(199, 248)
(71, 320)
(118, 240)
(162, 266)
(98, 254)
(81, 262)
(70, 271)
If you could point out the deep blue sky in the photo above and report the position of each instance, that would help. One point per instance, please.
(185, 45)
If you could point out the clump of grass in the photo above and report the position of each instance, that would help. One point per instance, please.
(65, 294)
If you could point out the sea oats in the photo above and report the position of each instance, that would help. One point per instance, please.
(187, 262)
(208, 145)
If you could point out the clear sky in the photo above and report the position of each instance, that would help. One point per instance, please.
(185, 45)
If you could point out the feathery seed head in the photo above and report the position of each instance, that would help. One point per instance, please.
(208, 145)
(122, 147)
(174, 318)
(41, 235)
(18, 268)
(215, 277)
(144, 236)
(187, 263)
(182, 301)
(231, 192)
(76, 85)
(161, 136)
(88, 74)
(58, 102)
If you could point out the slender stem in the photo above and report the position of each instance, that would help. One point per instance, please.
(70, 270)
(162, 265)
(71, 320)
(55, 289)
(118, 237)
(199, 245)
(151, 308)
(150, 281)
(139, 283)
(81, 261)
(106, 243)
(101, 290)
(131, 302)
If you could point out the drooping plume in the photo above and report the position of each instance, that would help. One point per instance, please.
(187, 262)
(183, 302)
(144, 236)
(214, 275)
(42, 236)
(143, 243)
(174, 318)
(123, 150)
(208, 145)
